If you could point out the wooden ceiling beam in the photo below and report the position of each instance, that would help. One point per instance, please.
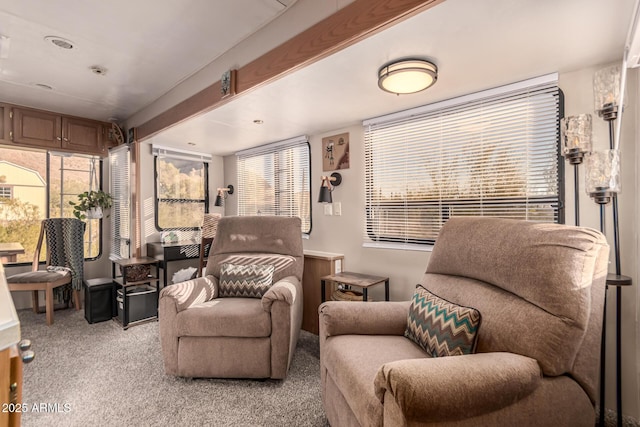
(351, 24)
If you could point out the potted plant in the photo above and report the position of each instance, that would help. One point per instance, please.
(90, 204)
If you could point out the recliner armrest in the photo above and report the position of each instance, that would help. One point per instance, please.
(191, 292)
(457, 387)
(287, 289)
(363, 318)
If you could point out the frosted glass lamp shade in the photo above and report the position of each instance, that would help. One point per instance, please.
(602, 174)
(606, 92)
(576, 137)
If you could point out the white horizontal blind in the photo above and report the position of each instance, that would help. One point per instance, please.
(120, 188)
(274, 180)
(490, 156)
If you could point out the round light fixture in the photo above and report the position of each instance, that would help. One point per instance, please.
(407, 76)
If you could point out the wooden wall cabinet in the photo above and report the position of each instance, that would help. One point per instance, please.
(82, 136)
(316, 265)
(43, 129)
(4, 122)
(36, 128)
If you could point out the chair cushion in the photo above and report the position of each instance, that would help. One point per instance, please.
(440, 327)
(39, 276)
(249, 281)
(352, 362)
(224, 317)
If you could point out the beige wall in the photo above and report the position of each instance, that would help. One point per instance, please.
(343, 234)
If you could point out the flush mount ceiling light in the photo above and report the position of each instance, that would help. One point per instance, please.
(407, 76)
(62, 43)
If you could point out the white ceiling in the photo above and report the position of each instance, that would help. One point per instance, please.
(475, 44)
(147, 47)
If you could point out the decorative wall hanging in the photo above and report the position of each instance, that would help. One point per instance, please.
(335, 152)
(228, 83)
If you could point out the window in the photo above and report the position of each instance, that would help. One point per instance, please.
(274, 180)
(5, 193)
(494, 153)
(40, 185)
(182, 188)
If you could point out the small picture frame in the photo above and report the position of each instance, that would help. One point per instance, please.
(335, 152)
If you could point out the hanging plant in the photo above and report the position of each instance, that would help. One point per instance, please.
(90, 204)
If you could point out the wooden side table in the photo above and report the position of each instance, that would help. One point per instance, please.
(359, 280)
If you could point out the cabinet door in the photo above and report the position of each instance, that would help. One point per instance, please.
(4, 122)
(82, 136)
(36, 128)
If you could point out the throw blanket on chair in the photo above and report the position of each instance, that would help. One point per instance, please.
(65, 247)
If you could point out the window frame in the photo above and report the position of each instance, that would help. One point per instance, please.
(47, 199)
(405, 242)
(157, 200)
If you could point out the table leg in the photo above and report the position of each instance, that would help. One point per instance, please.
(364, 295)
(386, 290)
(322, 289)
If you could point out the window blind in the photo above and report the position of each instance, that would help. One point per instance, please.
(493, 153)
(120, 188)
(274, 179)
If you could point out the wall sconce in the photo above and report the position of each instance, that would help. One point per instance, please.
(407, 76)
(222, 195)
(326, 188)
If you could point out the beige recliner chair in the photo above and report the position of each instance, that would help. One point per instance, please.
(205, 335)
(540, 291)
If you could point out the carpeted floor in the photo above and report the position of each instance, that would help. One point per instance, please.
(101, 375)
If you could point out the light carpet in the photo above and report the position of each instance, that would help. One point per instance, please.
(101, 375)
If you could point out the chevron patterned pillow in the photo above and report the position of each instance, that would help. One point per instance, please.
(250, 281)
(440, 327)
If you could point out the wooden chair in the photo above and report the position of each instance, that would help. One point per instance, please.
(209, 230)
(65, 246)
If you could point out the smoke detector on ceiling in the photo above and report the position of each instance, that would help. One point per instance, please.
(96, 69)
(60, 42)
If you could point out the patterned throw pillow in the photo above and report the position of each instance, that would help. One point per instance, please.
(250, 281)
(440, 327)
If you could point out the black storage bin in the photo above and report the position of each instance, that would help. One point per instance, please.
(142, 303)
(99, 300)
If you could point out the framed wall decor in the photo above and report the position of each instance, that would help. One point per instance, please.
(335, 152)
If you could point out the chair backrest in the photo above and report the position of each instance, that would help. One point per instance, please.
(539, 288)
(209, 229)
(65, 246)
(247, 240)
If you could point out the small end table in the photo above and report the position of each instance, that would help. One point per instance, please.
(152, 280)
(359, 280)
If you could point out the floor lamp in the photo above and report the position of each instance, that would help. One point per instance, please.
(603, 185)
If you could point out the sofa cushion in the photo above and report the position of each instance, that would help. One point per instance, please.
(352, 362)
(224, 317)
(440, 327)
(249, 281)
